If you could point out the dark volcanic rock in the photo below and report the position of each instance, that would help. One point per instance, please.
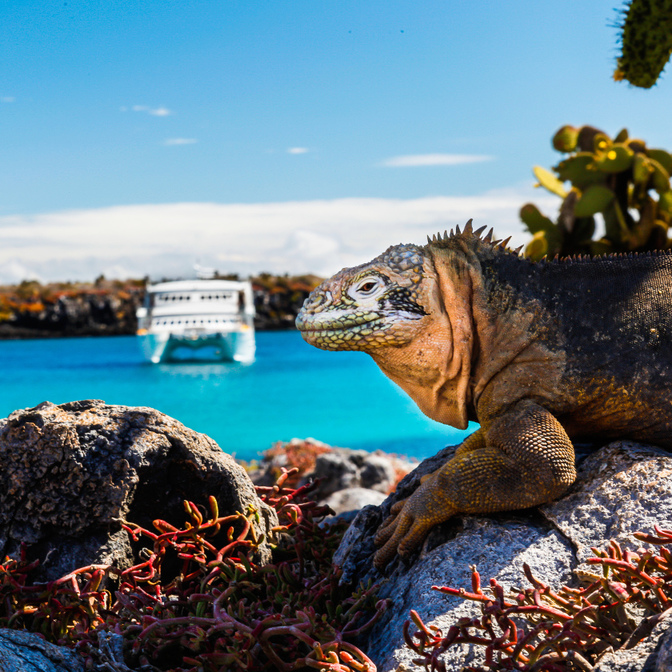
(27, 652)
(71, 473)
(346, 479)
(87, 312)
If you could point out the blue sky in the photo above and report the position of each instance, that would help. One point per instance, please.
(140, 137)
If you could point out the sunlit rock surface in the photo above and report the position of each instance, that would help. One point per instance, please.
(621, 488)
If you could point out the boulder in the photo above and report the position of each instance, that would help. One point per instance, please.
(336, 470)
(380, 472)
(620, 489)
(70, 474)
(352, 500)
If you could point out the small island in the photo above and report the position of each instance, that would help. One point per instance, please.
(108, 307)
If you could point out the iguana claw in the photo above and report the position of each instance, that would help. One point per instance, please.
(409, 523)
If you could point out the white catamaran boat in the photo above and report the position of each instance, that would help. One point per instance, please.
(189, 319)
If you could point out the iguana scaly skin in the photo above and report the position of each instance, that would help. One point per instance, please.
(535, 352)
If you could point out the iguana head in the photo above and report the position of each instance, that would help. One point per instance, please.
(378, 304)
(392, 308)
(411, 310)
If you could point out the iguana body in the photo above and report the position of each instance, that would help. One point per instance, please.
(535, 352)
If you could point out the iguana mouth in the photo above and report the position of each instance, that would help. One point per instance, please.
(337, 325)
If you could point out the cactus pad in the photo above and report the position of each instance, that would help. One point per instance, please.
(646, 36)
(617, 178)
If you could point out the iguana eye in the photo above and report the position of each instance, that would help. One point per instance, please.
(366, 288)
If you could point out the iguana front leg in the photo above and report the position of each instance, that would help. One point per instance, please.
(522, 459)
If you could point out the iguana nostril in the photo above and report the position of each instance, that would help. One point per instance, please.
(310, 303)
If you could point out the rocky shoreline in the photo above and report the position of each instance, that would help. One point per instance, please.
(103, 308)
(107, 307)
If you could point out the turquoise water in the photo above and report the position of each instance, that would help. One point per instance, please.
(291, 390)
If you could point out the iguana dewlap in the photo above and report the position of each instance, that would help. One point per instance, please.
(535, 352)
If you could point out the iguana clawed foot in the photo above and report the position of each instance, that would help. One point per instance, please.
(410, 521)
(533, 464)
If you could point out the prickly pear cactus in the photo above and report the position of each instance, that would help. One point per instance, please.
(646, 37)
(620, 181)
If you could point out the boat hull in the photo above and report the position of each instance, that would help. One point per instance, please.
(233, 346)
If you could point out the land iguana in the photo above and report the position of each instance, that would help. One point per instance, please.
(538, 353)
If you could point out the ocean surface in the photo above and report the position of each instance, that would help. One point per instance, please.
(291, 390)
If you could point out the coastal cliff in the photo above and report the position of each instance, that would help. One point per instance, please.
(107, 307)
(103, 308)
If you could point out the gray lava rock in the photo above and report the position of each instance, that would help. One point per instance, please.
(27, 652)
(663, 650)
(378, 472)
(70, 474)
(620, 489)
(652, 654)
(353, 499)
(337, 469)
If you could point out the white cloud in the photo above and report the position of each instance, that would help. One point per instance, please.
(155, 112)
(7, 99)
(313, 247)
(171, 142)
(13, 272)
(318, 236)
(297, 150)
(413, 160)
